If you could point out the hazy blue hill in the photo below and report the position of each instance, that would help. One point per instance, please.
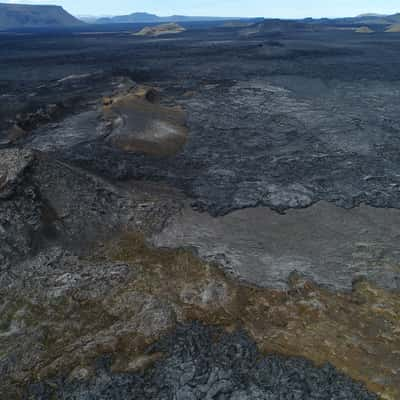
(131, 18)
(366, 19)
(141, 17)
(361, 20)
(30, 16)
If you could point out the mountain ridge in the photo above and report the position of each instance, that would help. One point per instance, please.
(143, 17)
(14, 16)
(373, 19)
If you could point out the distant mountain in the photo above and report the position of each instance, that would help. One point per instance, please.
(140, 17)
(366, 19)
(361, 20)
(131, 18)
(89, 19)
(360, 24)
(376, 19)
(371, 15)
(277, 26)
(32, 16)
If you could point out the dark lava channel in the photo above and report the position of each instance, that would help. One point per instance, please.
(200, 362)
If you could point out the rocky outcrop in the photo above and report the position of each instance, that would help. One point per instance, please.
(13, 165)
(45, 201)
(159, 30)
(364, 29)
(393, 28)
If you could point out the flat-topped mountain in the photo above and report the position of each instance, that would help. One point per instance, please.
(29, 16)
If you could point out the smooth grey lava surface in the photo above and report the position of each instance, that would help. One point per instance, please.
(329, 245)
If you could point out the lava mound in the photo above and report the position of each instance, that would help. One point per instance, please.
(138, 123)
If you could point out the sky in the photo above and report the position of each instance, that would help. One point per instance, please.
(228, 8)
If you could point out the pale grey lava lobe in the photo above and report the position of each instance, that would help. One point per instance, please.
(329, 245)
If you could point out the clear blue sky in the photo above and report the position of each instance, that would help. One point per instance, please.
(231, 8)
